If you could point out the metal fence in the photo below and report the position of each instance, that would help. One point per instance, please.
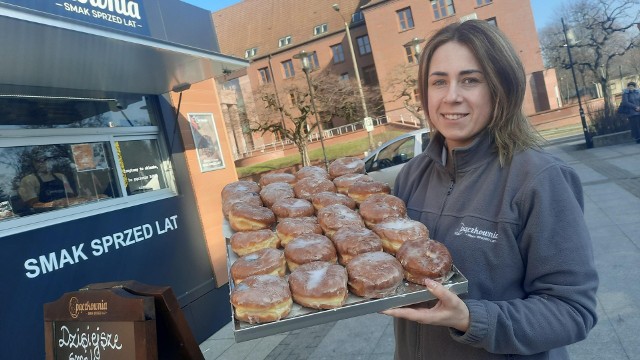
(327, 133)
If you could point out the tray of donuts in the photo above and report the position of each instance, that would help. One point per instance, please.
(323, 245)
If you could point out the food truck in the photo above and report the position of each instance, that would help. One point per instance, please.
(113, 153)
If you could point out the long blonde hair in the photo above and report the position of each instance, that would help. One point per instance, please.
(505, 75)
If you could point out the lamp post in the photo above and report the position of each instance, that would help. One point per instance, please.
(585, 129)
(306, 68)
(367, 119)
(415, 44)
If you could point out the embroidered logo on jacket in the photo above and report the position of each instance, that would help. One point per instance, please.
(475, 233)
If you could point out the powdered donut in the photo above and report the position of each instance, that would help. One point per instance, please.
(269, 178)
(307, 248)
(346, 165)
(312, 171)
(360, 190)
(343, 182)
(244, 217)
(292, 207)
(395, 231)
(352, 241)
(289, 228)
(424, 259)
(261, 299)
(305, 188)
(240, 186)
(374, 275)
(249, 198)
(327, 198)
(336, 216)
(319, 285)
(267, 261)
(247, 242)
(379, 207)
(274, 192)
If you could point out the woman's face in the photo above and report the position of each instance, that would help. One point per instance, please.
(458, 99)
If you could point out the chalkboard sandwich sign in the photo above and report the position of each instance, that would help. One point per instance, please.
(100, 324)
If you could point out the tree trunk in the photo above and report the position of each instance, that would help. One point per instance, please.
(304, 153)
(606, 94)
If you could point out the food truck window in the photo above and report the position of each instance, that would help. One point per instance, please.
(66, 155)
(58, 112)
(43, 178)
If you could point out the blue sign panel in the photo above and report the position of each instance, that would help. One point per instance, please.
(124, 15)
(157, 243)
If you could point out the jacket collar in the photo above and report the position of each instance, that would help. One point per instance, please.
(482, 149)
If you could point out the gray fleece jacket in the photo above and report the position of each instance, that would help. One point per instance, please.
(519, 236)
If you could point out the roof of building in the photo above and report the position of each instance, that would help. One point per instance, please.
(261, 23)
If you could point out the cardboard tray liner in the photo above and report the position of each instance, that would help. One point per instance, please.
(302, 317)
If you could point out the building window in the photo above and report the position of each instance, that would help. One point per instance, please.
(249, 53)
(344, 76)
(315, 64)
(405, 18)
(483, 2)
(338, 53)
(287, 67)
(265, 75)
(493, 21)
(364, 46)
(52, 164)
(320, 29)
(284, 41)
(412, 57)
(442, 8)
(357, 17)
(295, 98)
(416, 95)
(369, 75)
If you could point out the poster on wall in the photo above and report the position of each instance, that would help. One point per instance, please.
(205, 138)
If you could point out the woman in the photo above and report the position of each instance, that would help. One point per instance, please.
(44, 188)
(510, 214)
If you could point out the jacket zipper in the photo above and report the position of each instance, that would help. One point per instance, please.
(444, 203)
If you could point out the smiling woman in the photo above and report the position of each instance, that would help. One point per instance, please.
(510, 214)
(459, 102)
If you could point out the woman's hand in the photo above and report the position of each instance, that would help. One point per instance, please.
(449, 311)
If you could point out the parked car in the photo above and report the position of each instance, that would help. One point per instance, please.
(384, 163)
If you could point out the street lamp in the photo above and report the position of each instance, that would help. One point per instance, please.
(367, 119)
(415, 44)
(585, 129)
(306, 68)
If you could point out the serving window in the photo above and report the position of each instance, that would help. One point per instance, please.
(62, 156)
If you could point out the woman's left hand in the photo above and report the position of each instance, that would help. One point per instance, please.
(449, 311)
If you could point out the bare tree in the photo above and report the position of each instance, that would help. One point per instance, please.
(601, 32)
(294, 106)
(402, 86)
(290, 116)
(336, 97)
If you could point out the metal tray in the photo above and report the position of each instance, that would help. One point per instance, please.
(301, 317)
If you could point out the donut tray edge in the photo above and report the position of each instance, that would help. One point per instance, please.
(301, 317)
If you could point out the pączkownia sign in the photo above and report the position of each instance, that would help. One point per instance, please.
(101, 324)
(125, 15)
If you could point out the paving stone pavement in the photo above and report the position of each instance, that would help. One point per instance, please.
(611, 181)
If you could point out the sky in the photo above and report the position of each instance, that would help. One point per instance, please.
(544, 11)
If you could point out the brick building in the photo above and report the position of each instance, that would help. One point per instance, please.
(270, 32)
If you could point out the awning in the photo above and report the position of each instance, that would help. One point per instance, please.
(46, 52)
